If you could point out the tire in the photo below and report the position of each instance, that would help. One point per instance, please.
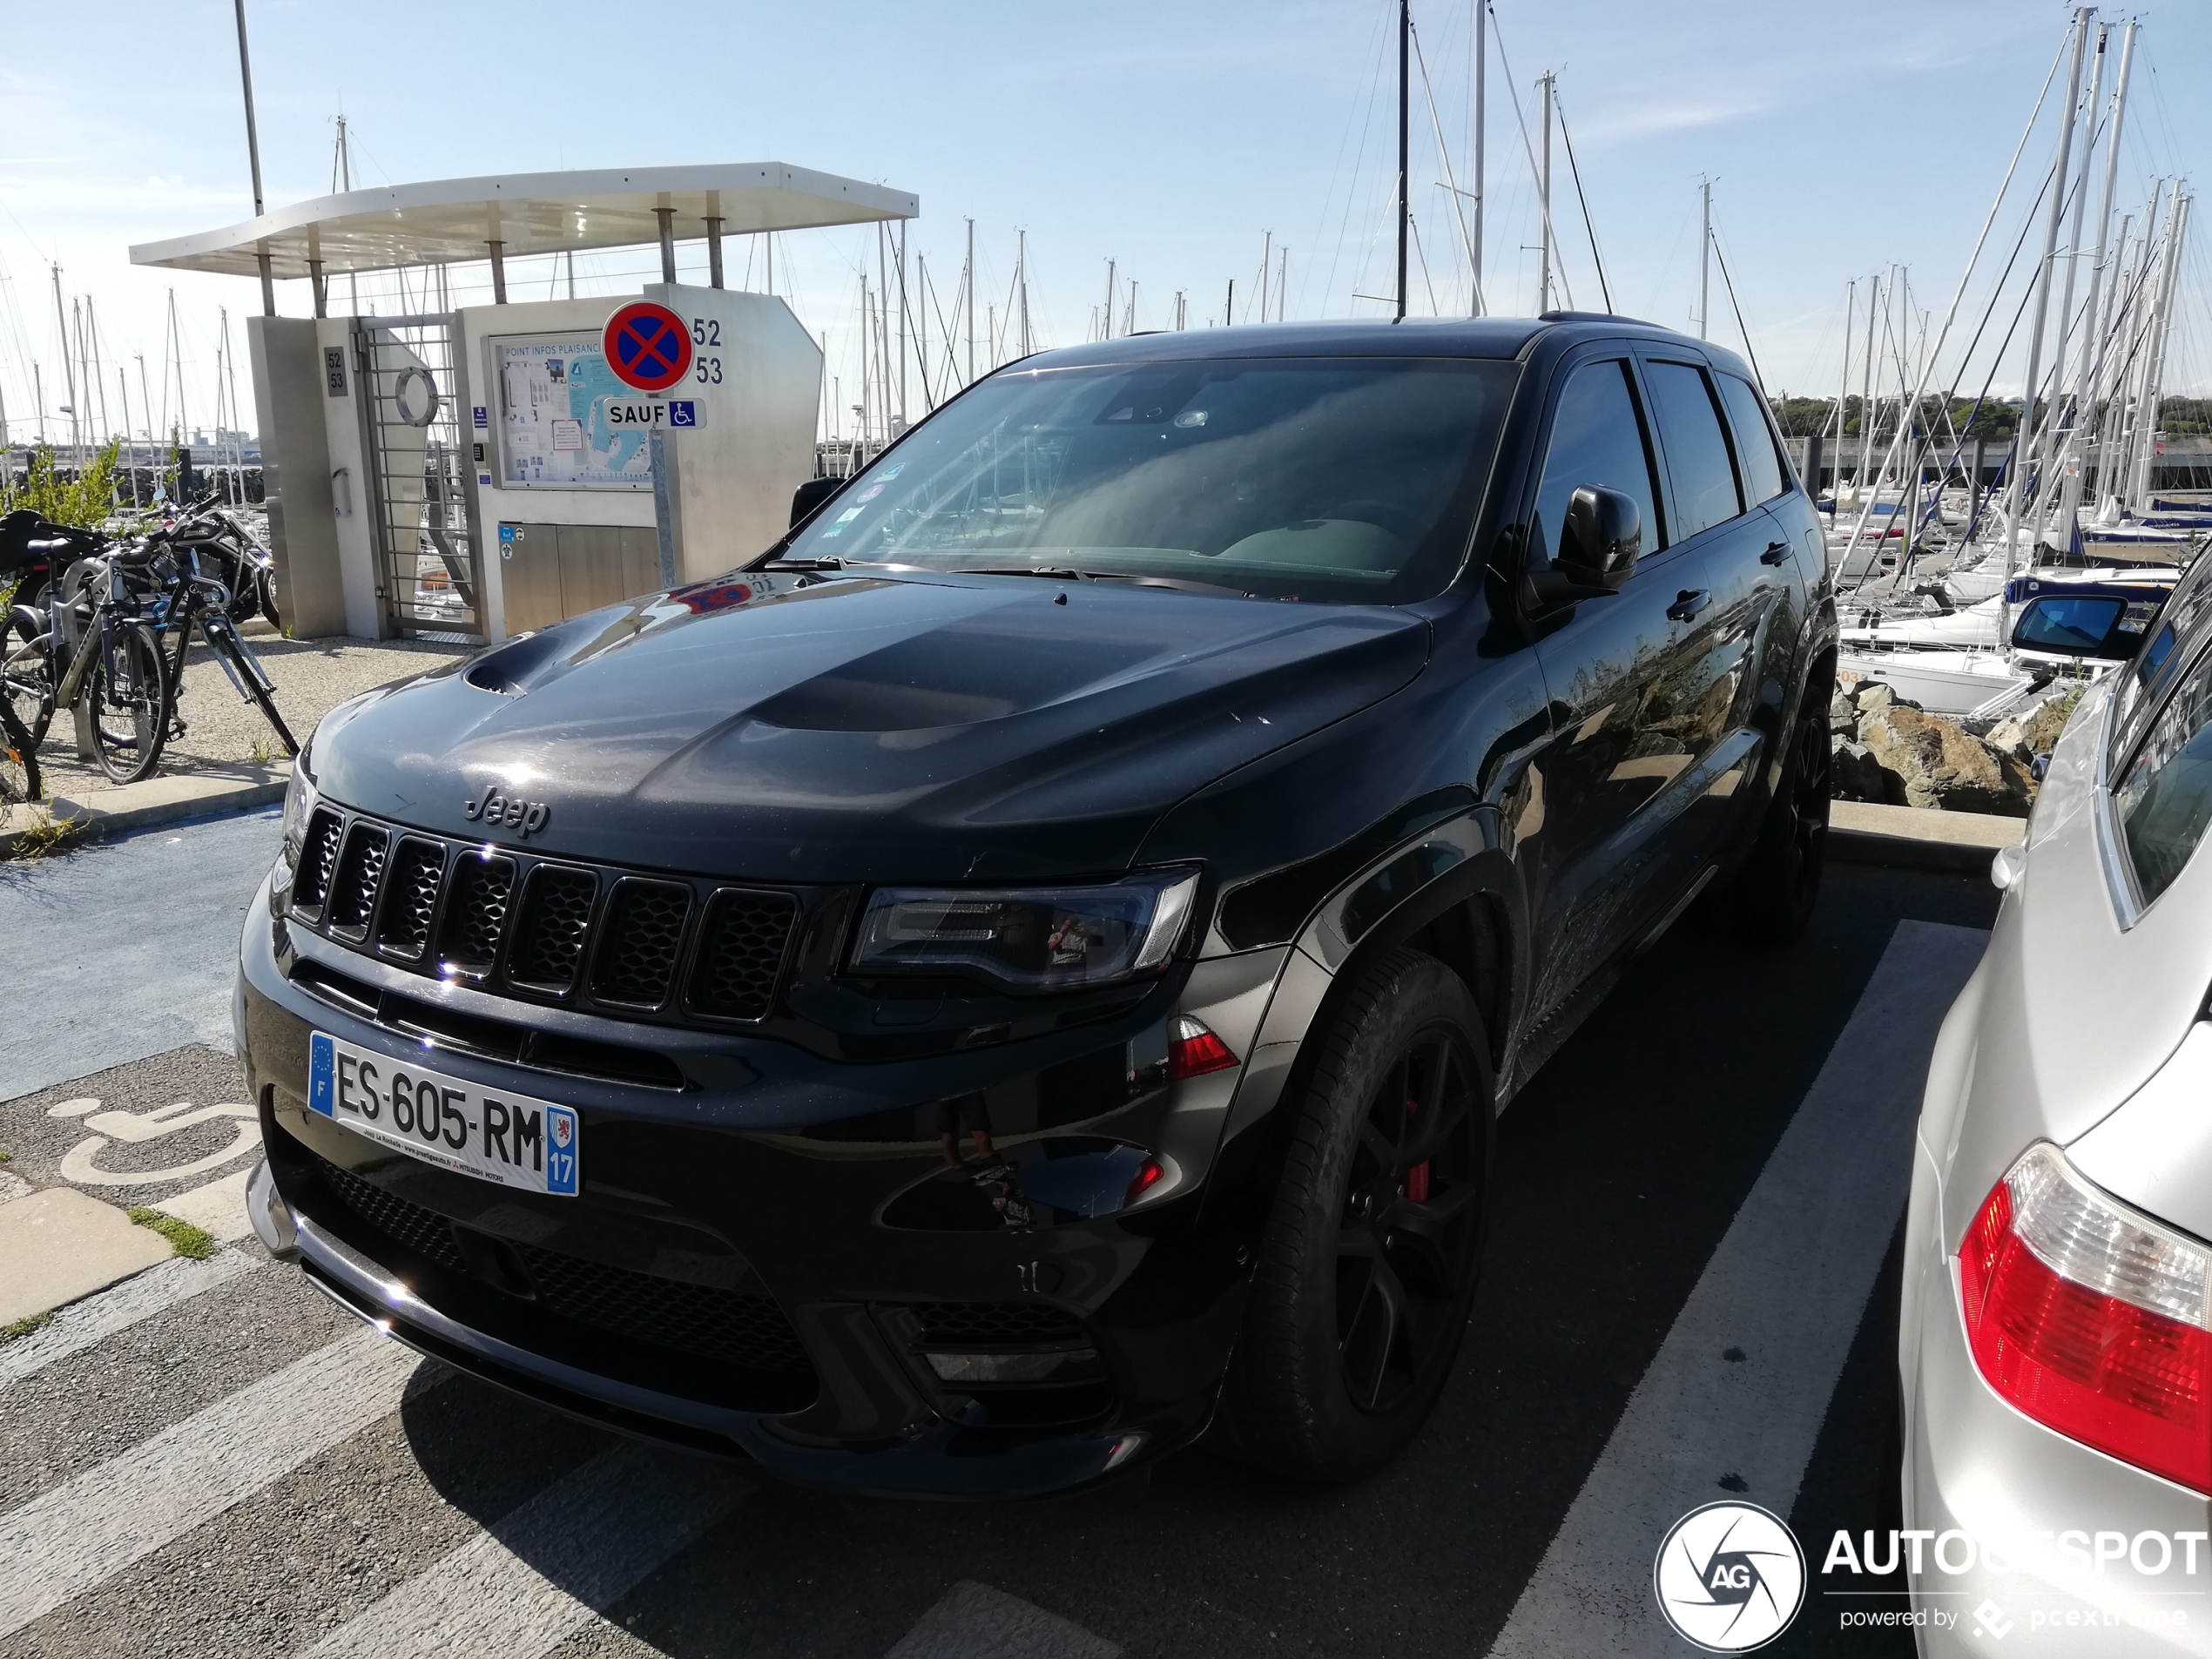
(19, 781)
(1771, 901)
(129, 691)
(27, 687)
(1368, 1265)
(265, 580)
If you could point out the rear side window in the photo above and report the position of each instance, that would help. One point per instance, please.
(1597, 438)
(2177, 626)
(1763, 478)
(2165, 796)
(1689, 430)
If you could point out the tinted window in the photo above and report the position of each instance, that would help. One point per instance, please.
(1690, 428)
(2165, 799)
(1296, 478)
(2069, 623)
(2184, 610)
(1597, 438)
(1763, 478)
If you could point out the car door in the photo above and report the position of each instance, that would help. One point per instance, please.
(1608, 669)
(1707, 705)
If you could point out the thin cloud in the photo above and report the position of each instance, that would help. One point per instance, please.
(1654, 119)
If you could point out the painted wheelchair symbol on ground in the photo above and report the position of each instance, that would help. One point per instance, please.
(647, 346)
(80, 1163)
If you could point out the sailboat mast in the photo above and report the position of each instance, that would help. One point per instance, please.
(1842, 387)
(1405, 204)
(1544, 199)
(2093, 334)
(1481, 54)
(2160, 331)
(2057, 436)
(1704, 256)
(968, 283)
(2023, 435)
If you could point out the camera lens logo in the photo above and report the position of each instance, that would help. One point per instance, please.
(1729, 1577)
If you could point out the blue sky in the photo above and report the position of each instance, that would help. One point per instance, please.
(1171, 139)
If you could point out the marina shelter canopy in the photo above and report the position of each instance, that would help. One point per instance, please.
(515, 214)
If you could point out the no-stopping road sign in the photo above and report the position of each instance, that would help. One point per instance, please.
(647, 347)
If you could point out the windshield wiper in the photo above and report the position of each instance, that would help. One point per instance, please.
(1064, 573)
(802, 564)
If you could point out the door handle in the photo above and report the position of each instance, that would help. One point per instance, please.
(1776, 553)
(1689, 602)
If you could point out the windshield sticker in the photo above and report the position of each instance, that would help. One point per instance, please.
(870, 492)
(889, 473)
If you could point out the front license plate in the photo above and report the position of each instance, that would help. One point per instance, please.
(512, 1139)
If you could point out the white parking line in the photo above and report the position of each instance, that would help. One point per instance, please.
(80, 1324)
(551, 1566)
(1784, 1291)
(63, 1543)
(975, 1622)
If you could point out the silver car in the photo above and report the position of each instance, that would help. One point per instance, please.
(2055, 1337)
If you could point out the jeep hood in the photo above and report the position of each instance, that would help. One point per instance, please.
(893, 729)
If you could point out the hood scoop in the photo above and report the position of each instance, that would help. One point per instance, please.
(987, 668)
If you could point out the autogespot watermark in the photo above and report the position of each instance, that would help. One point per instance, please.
(2165, 1568)
(1729, 1577)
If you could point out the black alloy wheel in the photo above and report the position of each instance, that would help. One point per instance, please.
(1368, 1262)
(1409, 1226)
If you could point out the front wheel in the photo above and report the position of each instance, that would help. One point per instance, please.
(1367, 1267)
(129, 690)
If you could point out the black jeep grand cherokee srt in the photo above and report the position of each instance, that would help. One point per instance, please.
(1023, 974)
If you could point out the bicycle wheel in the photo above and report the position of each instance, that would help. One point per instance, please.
(129, 689)
(26, 679)
(19, 781)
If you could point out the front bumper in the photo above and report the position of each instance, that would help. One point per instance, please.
(727, 1281)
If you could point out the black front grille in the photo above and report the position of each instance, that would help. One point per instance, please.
(741, 955)
(549, 937)
(640, 942)
(353, 890)
(666, 949)
(477, 912)
(410, 898)
(318, 859)
(727, 1326)
(986, 1323)
(693, 1319)
(424, 1231)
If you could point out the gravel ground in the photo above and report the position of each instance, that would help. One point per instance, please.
(312, 676)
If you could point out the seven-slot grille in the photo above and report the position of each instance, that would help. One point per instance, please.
(634, 945)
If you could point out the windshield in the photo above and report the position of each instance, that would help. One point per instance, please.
(1288, 478)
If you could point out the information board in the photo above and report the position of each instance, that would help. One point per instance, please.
(556, 395)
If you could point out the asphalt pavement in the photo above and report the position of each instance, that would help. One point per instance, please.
(1690, 1294)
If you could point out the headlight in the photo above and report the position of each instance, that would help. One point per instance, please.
(1029, 938)
(299, 799)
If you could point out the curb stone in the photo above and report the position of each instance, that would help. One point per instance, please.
(99, 812)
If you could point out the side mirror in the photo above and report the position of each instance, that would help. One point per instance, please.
(2102, 625)
(1603, 535)
(1597, 548)
(810, 496)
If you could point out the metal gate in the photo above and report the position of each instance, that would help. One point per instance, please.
(429, 558)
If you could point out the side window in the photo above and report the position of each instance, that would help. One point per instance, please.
(2165, 798)
(1689, 427)
(1763, 478)
(1597, 437)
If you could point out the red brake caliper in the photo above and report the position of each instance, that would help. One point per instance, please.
(1416, 1177)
